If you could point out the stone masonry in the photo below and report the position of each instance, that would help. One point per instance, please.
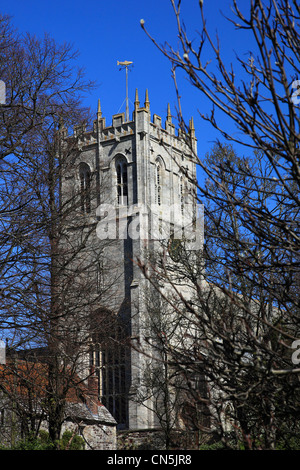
(131, 166)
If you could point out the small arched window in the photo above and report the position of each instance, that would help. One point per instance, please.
(122, 185)
(85, 188)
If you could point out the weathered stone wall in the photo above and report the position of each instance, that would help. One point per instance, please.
(155, 439)
(96, 436)
(140, 440)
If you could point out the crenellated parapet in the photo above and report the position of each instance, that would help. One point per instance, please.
(141, 124)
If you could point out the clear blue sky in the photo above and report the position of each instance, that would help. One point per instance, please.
(107, 31)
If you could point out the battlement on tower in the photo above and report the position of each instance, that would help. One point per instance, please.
(141, 124)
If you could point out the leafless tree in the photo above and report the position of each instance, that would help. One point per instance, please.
(246, 313)
(47, 244)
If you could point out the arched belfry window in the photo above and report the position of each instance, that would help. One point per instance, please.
(85, 187)
(122, 181)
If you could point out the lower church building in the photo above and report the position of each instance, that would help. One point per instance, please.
(24, 381)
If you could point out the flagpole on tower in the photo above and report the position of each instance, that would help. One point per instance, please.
(126, 64)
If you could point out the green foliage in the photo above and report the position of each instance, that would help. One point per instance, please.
(42, 442)
(289, 438)
(214, 446)
(68, 441)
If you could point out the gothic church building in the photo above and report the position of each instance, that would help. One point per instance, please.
(122, 173)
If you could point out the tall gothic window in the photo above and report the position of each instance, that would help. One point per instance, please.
(85, 187)
(181, 194)
(113, 376)
(122, 186)
(158, 183)
(109, 358)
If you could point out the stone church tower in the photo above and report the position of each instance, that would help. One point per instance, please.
(125, 176)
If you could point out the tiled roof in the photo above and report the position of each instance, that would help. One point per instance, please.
(20, 378)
